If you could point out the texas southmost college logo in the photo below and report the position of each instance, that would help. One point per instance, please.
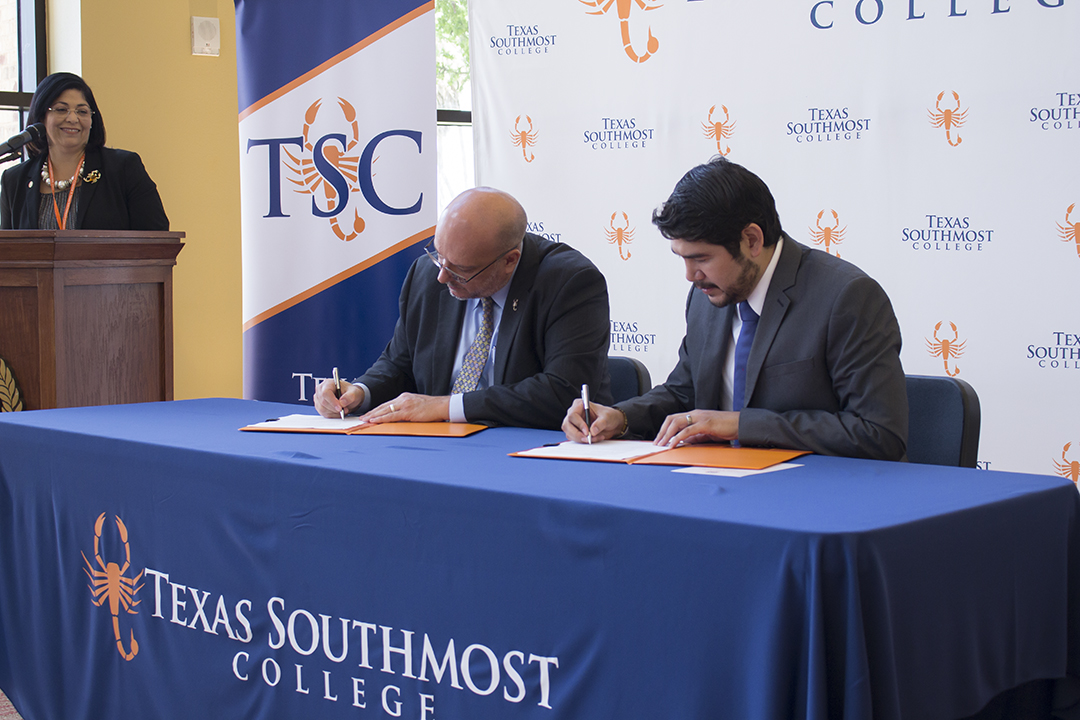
(109, 584)
(332, 167)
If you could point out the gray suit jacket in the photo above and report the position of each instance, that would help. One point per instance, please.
(553, 337)
(824, 372)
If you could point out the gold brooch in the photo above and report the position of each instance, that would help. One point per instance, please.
(92, 177)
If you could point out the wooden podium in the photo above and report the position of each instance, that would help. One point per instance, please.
(86, 315)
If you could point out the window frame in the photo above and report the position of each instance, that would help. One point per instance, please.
(33, 57)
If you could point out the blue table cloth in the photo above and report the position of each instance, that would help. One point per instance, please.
(157, 562)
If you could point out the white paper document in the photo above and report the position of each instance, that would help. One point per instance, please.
(613, 450)
(309, 422)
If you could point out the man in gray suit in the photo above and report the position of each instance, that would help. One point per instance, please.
(811, 359)
(496, 326)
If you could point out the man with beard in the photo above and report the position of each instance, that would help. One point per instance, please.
(785, 346)
(520, 325)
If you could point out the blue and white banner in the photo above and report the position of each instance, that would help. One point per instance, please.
(337, 177)
(931, 144)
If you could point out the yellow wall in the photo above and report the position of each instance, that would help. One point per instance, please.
(179, 112)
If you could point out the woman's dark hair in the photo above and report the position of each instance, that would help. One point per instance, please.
(48, 90)
(713, 203)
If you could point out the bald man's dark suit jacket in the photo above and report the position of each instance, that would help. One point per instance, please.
(824, 372)
(123, 198)
(553, 337)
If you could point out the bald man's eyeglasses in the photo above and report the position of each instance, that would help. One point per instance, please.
(440, 262)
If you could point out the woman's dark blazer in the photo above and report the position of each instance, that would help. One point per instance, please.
(122, 198)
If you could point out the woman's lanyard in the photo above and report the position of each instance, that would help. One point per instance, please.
(62, 221)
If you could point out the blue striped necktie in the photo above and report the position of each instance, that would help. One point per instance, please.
(742, 354)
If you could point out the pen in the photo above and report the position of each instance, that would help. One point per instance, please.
(585, 402)
(337, 386)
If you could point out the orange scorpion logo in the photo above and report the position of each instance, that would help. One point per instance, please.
(1065, 468)
(828, 235)
(948, 119)
(946, 349)
(308, 177)
(524, 138)
(622, 8)
(620, 235)
(109, 583)
(719, 130)
(1070, 231)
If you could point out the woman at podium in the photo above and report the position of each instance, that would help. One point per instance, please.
(71, 180)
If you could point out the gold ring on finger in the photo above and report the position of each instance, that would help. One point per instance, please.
(392, 408)
(689, 420)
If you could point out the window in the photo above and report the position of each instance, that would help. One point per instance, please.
(22, 61)
(454, 100)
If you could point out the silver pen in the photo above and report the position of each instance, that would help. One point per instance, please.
(337, 386)
(585, 402)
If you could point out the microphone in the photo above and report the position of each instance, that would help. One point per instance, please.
(35, 133)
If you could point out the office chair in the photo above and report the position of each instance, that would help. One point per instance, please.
(943, 421)
(629, 377)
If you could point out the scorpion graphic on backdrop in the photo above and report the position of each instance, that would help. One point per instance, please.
(109, 583)
(828, 235)
(622, 9)
(524, 138)
(948, 119)
(719, 130)
(946, 349)
(620, 235)
(1070, 231)
(1065, 468)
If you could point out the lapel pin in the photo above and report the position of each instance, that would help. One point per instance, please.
(515, 304)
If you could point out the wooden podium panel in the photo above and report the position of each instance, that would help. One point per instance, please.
(86, 315)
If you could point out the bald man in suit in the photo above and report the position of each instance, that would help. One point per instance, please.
(820, 368)
(547, 333)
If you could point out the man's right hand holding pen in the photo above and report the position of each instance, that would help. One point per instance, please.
(606, 422)
(327, 402)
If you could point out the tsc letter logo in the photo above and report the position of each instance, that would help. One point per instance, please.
(328, 169)
(109, 583)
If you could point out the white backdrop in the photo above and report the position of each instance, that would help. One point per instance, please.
(943, 135)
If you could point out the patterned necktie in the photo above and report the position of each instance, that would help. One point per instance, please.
(742, 354)
(475, 359)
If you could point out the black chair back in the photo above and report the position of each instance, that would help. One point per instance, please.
(943, 421)
(629, 377)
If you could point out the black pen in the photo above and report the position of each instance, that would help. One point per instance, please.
(585, 402)
(337, 386)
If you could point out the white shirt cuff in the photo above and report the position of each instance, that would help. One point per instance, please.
(457, 408)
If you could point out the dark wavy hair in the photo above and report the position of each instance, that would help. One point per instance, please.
(713, 202)
(48, 90)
